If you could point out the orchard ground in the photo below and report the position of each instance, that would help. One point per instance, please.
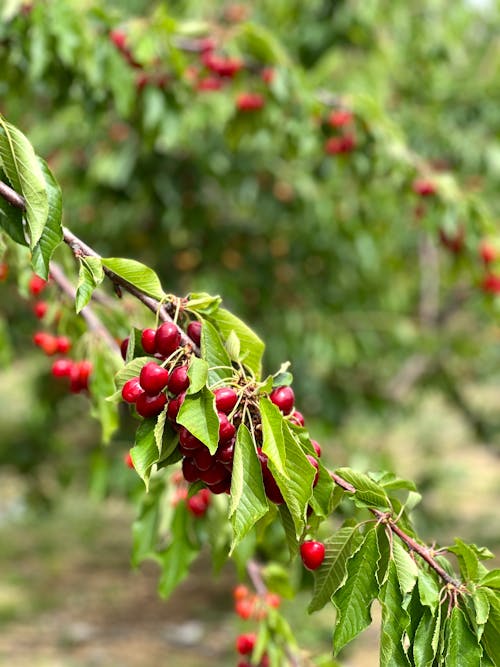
(68, 597)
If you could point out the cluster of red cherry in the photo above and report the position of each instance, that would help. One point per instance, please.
(256, 607)
(78, 372)
(341, 121)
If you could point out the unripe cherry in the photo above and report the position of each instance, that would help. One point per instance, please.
(178, 380)
(148, 341)
(190, 471)
(167, 339)
(131, 390)
(245, 608)
(312, 554)
(153, 378)
(150, 406)
(240, 592)
(245, 643)
(62, 368)
(283, 398)
(225, 399)
(226, 429)
(194, 331)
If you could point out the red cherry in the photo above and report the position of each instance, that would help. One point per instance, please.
(167, 339)
(317, 448)
(267, 75)
(148, 341)
(207, 84)
(454, 242)
(297, 418)
(221, 487)
(202, 458)
(63, 344)
(314, 464)
(245, 643)
(339, 118)
(49, 345)
(226, 429)
(178, 380)
(153, 378)
(225, 399)
(225, 453)
(119, 39)
(273, 600)
(312, 554)
(488, 252)
(198, 503)
(240, 592)
(174, 405)
(188, 440)
(194, 331)
(40, 309)
(124, 348)
(271, 488)
(424, 187)
(491, 283)
(62, 368)
(249, 102)
(245, 608)
(283, 398)
(128, 460)
(131, 390)
(190, 471)
(84, 369)
(216, 474)
(207, 44)
(36, 284)
(4, 271)
(150, 406)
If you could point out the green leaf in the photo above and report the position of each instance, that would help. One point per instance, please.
(481, 606)
(289, 528)
(252, 347)
(395, 620)
(233, 346)
(470, 567)
(353, 600)
(197, 374)
(296, 485)
(145, 452)
(90, 275)
(198, 415)
(203, 303)
(52, 234)
(24, 172)
(428, 589)
(180, 553)
(491, 634)
(462, 648)
(424, 650)
(333, 571)
(145, 526)
(261, 43)
(11, 221)
(384, 554)
(101, 383)
(492, 579)
(406, 568)
(273, 441)
(368, 492)
(158, 430)
(137, 274)
(215, 354)
(248, 499)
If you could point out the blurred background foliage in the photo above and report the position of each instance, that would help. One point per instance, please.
(374, 292)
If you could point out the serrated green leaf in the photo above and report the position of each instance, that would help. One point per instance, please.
(395, 620)
(158, 430)
(383, 546)
(296, 486)
(333, 571)
(368, 492)
(197, 374)
(470, 567)
(424, 651)
(391, 482)
(491, 634)
(24, 172)
(492, 579)
(248, 499)
(180, 553)
(481, 605)
(462, 648)
(428, 589)
(137, 274)
(215, 354)
(52, 234)
(198, 415)
(252, 347)
(354, 599)
(145, 452)
(11, 220)
(273, 441)
(406, 568)
(101, 383)
(90, 275)
(203, 303)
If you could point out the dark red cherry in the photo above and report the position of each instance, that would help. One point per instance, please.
(178, 380)
(153, 378)
(150, 406)
(148, 340)
(283, 398)
(167, 339)
(131, 390)
(225, 399)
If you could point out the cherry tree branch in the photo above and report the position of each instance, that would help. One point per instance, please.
(81, 249)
